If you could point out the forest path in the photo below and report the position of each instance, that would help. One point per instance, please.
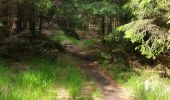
(89, 64)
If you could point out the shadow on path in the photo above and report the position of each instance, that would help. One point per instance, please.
(89, 64)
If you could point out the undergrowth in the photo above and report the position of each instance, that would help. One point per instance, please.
(60, 37)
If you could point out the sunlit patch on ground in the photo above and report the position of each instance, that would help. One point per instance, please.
(90, 92)
(63, 94)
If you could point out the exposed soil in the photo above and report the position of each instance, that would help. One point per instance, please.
(89, 63)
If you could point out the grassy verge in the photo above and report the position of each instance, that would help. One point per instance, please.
(62, 37)
(40, 79)
(143, 84)
(88, 42)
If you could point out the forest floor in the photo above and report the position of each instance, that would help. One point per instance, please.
(78, 74)
(89, 63)
(27, 77)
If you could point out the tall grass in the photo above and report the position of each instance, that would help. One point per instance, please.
(143, 84)
(149, 87)
(41, 80)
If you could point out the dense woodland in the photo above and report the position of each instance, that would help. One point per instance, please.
(131, 34)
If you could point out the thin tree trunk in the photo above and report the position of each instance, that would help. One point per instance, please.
(19, 19)
(103, 28)
(110, 25)
(102, 25)
(32, 21)
(6, 18)
(41, 23)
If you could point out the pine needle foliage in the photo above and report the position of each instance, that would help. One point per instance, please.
(149, 26)
(101, 8)
(152, 39)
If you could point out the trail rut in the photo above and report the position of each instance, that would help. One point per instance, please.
(89, 64)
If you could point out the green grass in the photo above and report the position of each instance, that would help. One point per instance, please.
(62, 37)
(41, 80)
(97, 94)
(149, 86)
(143, 84)
(88, 42)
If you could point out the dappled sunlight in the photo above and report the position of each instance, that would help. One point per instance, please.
(95, 63)
(147, 86)
(41, 80)
(85, 50)
(64, 38)
(63, 94)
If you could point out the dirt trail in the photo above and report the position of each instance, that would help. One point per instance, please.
(88, 63)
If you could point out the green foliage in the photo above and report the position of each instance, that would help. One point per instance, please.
(105, 57)
(149, 28)
(147, 8)
(67, 14)
(101, 8)
(152, 39)
(43, 5)
(115, 35)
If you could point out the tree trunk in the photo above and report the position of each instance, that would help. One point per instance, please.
(41, 23)
(110, 25)
(6, 18)
(103, 28)
(19, 19)
(102, 25)
(32, 21)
